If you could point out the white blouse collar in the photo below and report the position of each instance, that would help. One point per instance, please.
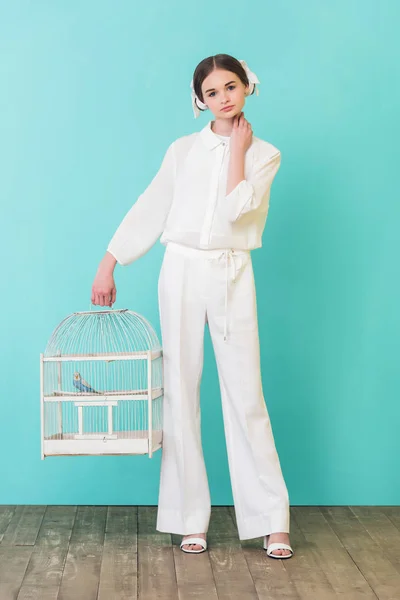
(210, 139)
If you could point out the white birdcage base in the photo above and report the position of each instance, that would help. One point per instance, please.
(127, 442)
(66, 396)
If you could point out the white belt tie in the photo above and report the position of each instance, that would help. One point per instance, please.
(230, 261)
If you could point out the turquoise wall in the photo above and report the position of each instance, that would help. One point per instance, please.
(91, 95)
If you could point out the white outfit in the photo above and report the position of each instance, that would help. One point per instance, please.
(207, 277)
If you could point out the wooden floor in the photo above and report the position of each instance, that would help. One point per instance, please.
(115, 553)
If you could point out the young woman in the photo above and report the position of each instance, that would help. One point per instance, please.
(209, 203)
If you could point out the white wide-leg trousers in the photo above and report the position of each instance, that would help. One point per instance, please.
(215, 286)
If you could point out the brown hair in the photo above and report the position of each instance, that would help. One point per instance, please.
(218, 61)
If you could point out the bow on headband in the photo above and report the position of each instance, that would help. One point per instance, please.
(197, 104)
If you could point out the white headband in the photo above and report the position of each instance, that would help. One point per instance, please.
(197, 104)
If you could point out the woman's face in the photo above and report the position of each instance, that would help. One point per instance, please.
(224, 89)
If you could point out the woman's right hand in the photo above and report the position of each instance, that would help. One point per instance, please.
(104, 291)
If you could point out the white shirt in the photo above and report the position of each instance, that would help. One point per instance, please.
(186, 202)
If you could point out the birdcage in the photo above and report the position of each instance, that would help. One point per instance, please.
(101, 381)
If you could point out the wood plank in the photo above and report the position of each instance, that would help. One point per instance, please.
(13, 563)
(194, 573)
(233, 580)
(37, 593)
(270, 576)
(156, 568)
(381, 575)
(382, 530)
(6, 514)
(80, 579)
(123, 519)
(118, 575)
(24, 526)
(333, 558)
(89, 525)
(9, 591)
(46, 565)
(392, 513)
(306, 572)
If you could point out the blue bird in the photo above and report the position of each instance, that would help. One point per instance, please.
(82, 385)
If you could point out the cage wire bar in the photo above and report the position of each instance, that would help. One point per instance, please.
(101, 386)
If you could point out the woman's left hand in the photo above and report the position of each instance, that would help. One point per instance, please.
(242, 133)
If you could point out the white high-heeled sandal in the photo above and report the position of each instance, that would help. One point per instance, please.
(277, 546)
(194, 540)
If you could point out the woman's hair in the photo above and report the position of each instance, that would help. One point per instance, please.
(219, 61)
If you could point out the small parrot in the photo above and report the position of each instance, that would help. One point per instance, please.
(82, 385)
